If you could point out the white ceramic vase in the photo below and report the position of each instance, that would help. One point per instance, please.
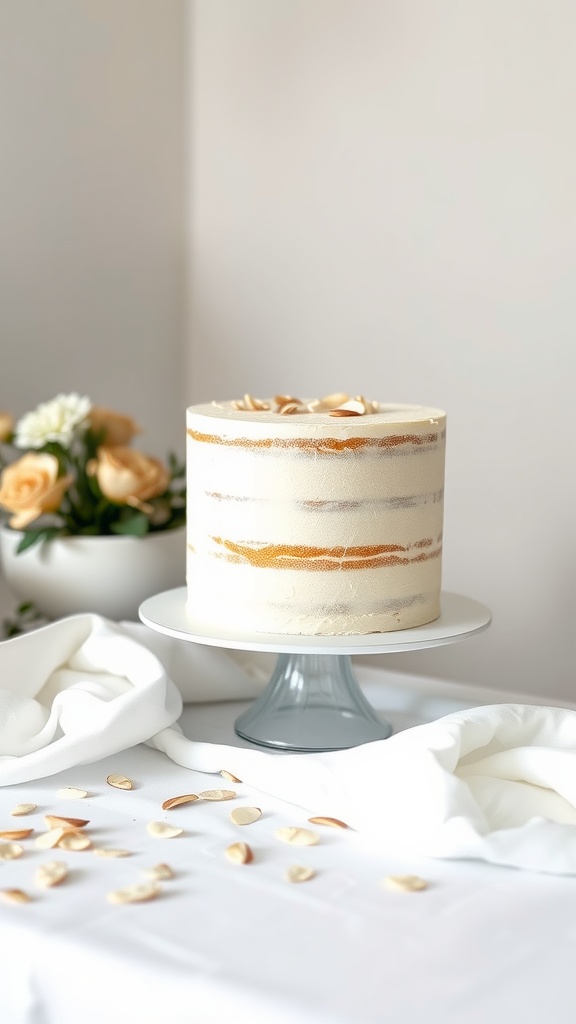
(107, 575)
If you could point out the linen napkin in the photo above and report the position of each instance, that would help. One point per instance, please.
(496, 782)
(75, 691)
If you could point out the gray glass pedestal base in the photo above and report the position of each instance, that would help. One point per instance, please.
(312, 702)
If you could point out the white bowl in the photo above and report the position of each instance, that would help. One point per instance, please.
(107, 575)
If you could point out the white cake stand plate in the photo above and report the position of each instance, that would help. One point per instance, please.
(313, 701)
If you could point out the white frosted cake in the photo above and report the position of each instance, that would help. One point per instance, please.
(314, 517)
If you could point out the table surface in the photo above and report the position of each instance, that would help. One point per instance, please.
(238, 943)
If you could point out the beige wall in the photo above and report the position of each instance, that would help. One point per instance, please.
(381, 199)
(91, 201)
(383, 202)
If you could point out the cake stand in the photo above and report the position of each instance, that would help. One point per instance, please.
(313, 701)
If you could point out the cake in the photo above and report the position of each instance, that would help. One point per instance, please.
(313, 517)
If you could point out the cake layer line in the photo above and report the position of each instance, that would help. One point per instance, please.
(321, 445)
(288, 556)
(345, 504)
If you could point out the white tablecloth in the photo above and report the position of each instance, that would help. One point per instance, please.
(238, 943)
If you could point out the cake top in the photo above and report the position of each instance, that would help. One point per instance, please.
(282, 410)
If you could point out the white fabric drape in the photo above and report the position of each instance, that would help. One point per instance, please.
(496, 782)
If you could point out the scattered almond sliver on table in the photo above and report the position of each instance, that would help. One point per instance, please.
(299, 873)
(217, 794)
(10, 851)
(119, 782)
(21, 809)
(68, 833)
(16, 833)
(176, 801)
(405, 883)
(323, 820)
(15, 896)
(135, 893)
(297, 836)
(245, 815)
(162, 830)
(239, 853)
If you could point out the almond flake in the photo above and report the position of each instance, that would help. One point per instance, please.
(299, 873)
(405, 883)
(175, 801)
(217, 794)
(239, 853)
(323, 820)
(158, 873)
(71, 793)
(250, 404)
(162, 830)
(106, 851)
(356, 405)
(369, 407)
(297, 836)
(51, 873)
(16, 833)
(58, 821)
(119, 782)
(10, 851)
(245, 815)
(334, 400)
(15, 896)
(344, 412)
(255, 404)
(229, 777)
(285, 399)
(48, 840)
(23, 809)
(74, 841)
(134, 893)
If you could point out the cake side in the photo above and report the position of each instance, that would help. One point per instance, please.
(313, 524)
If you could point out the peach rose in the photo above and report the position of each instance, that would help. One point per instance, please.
(117, 429)
(127, 477)
(6, 425)
(31, 486)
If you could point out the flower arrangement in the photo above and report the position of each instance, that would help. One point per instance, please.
(80, 476)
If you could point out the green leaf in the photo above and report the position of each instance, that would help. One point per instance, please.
(26, 617)
(176, 467)
(25, 607)
(178, 518)
(32, 537)
(136, 525)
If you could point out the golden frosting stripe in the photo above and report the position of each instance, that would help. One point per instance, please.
(293, 556)
(323, 444)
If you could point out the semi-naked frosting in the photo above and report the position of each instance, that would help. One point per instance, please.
(314, 517)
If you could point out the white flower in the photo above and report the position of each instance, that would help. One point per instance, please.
(52, 421)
